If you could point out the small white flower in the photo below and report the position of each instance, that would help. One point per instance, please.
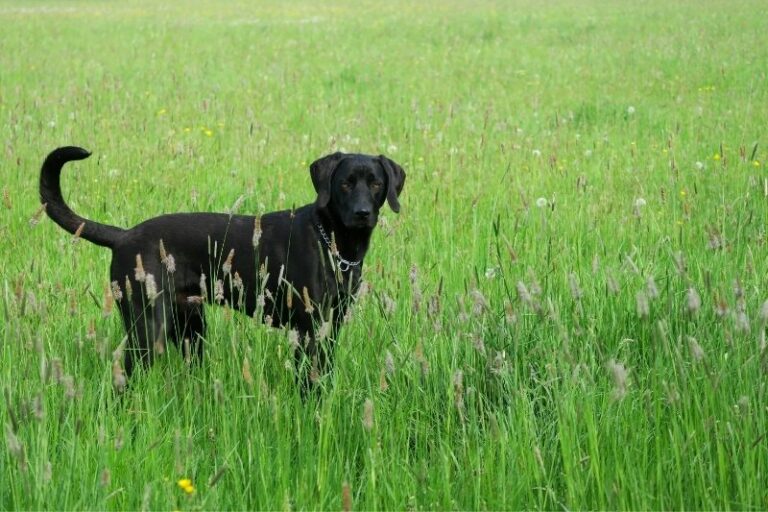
(542, 202)
(537, 152)
(639, 202)
(588, 153)
(630, 110)
(699, 165)
(391, 148)
(491, 272)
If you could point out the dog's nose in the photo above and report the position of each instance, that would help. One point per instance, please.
(363, 213)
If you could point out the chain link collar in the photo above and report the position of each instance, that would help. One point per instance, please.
(344, 265)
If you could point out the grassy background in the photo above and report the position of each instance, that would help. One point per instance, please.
(569, 312)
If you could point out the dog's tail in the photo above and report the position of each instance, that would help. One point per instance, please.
(57, 209)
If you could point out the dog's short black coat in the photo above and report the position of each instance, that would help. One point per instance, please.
(251, 264)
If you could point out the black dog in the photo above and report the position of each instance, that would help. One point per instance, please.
(298, 268)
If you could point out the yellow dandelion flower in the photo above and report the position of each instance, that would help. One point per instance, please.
(683, 193)
(756, 163)
(187, 129)
(186, 485)
(208, 133)
(161, 112)
(716, 157)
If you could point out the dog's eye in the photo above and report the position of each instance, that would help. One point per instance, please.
(376, 186)
(346, 186)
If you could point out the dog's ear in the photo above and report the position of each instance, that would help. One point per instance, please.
(395, 181)
(321, 171)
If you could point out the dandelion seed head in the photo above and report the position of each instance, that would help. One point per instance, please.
(542, 202)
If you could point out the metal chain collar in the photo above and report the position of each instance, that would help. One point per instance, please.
(344, 265)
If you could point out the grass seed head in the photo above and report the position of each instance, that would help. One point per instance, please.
(389, 363)
(15, 447)
(680, 264)
(573, 283)
(105, 478)
(763, 315)
(78, 232)
(128, 288)
(696, 351)
(389, 304)
(308, 308)
(150, 287)
(692, 300)
(118, 376)
(256, 232)
(479, 302)
(226, 267)
(293, 340)
(139, 274)
(458, 392)
(367, 417)
(643, 307)
(109, 302)
(346, 497)
(6, 198)
(651, 289)
(236, 205)
(246, 371)
(203, 286)
(35, 219)
(620, 376)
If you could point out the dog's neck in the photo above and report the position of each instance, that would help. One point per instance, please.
(352, 244)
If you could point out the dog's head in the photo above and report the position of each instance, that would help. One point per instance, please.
(354, 187)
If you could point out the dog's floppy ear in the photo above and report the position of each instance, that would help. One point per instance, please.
(395, 181)
(321, 171)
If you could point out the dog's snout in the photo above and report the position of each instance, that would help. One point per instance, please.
(363, 213)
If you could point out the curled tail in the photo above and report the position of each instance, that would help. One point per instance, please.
(57, 209)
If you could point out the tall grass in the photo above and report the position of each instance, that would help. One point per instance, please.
(569, 312)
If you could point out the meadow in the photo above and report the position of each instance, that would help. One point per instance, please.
(569, 312)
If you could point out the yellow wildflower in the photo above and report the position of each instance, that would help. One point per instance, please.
(716, 157)
(186, 485)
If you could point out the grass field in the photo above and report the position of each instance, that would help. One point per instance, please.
(569, 312)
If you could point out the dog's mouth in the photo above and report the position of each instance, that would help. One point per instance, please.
(368, 223)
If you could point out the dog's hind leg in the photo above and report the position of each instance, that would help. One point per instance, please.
(192, 318)
(150, 327)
